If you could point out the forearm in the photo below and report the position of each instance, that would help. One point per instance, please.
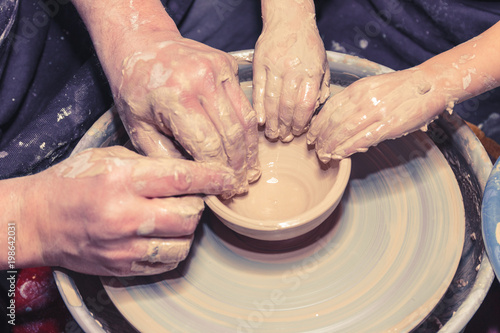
(470, 68)
(117, 26)
(19, 242)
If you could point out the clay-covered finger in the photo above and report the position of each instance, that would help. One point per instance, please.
(248, 119)
(338, 130)
(157, 255)
(360, 142)
(318, 123)
(271, 104)
(164, 177)
(147, 268)
(342, 131)
(259, 88)
(307, 101)
(380, 127)
(322, 119)
(147, 140)
(171, 217)
(192, 127)
(325, 86)
(287, 107)
(227, 122)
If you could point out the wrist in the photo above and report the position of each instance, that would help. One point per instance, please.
(20, 223)
(282, 12)
(447, 80)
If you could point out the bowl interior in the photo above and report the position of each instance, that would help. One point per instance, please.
(293, 182)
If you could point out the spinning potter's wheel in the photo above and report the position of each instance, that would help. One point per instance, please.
(381, 262)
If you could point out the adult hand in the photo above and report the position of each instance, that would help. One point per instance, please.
(187, 90)
(291, 73)
(377, 108)
(165, 85)
(110, 211)
(184, 89)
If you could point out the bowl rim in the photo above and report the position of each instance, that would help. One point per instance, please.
(331, 199)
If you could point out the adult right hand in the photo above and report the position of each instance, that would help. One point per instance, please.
(166, 86)
(110, 211)
(184, 89)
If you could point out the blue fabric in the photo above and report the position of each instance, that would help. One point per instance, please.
(400, 34)
(227, 25)
(51, 88)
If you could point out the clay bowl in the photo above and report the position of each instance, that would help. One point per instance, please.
(294, 195)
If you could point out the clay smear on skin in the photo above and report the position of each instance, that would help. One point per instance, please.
(134, 17)
(85, 165)
(205, 141)
(169, 252)
(450, 92)
(147, 227)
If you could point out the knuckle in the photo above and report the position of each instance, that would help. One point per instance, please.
(114, 222)
(308, 104)
(189, 210)
(190, 222)
(288, 104)
(232, 64)
(235, 136)
(208, 149)
(182, 177)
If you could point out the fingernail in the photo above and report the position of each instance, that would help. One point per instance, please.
(288, 138)
(285, 133)
(271, 133)
(298, 130)
(253, 174)
(261, 120)
(310, 138)
(324, 157)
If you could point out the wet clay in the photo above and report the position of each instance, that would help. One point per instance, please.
(292, 182)
(163, 251)
(192, 102)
